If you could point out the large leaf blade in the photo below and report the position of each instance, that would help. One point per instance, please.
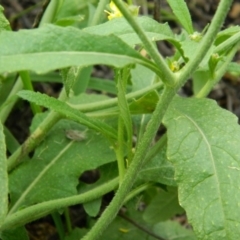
(203, 144)
(56, 166)
(42, 50)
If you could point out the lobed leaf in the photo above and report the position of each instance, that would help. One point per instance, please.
(203, 145)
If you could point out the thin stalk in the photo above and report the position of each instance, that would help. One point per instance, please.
(59, 225)
(153, 151)
(206, 42)
(141, 151)
(68, 220)
(137, 191)
(10, 101)
(99, 12)
(90, 107)
(218, 75)
(120, 150)
(226, 45)
(28, 86)
(39, 210)
(166, 74)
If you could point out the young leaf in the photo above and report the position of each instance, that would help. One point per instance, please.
(63, 108)
(42, 50)
(180, 10)
(3, 177)
(203, 145)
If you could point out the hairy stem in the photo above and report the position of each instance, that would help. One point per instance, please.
(166, 74)
(141, 151)
(39, 210)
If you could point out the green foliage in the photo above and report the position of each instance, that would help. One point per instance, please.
(190, 170)
(4, 24)
(203, 149)
(3, 177)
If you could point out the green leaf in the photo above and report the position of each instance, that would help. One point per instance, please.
(225, 34)
(121, 228)
(163, 206)
(14, 234)
(121, 28)
(200, 78)
(173, 231)
(203, 145)
(92, 208)
(56, 166)
(77, 233)
(67, 21)
(234, 69)
(122, 76)
(42, 50)
(69, 76)
(145, 104)
(3, 178)
(4, 23)
(142, 77)
(180, 10)
(63, 108)
(159, 170)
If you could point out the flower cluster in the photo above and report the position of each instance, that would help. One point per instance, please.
(115, 13)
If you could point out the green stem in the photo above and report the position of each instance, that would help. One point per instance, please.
(99, 12)
(59, 225)
(28, 85)
(218, 75)
(137, 191)
(10, 101)
(226, 45)
(141, 151)
(206, 42)
(39, 210)
(166, 75)
(68, 220)
(153, 151)
(152, 127)
(36, 137)
(96, 106)
(120, 150)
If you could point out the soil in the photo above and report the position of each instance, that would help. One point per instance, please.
(226, 93)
